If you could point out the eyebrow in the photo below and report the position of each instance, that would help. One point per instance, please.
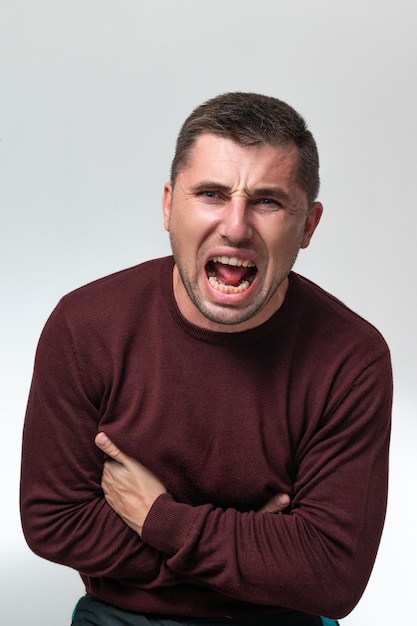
(207, 185)
(272, 192)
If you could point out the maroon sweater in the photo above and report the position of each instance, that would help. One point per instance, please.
(300, 404)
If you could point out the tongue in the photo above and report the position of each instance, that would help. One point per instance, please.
(230, 274)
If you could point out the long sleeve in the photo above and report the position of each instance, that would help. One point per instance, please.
(318, 557)
(65, 517)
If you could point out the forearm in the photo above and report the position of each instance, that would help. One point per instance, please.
(318, 557)
(66, 519)
(277, 560)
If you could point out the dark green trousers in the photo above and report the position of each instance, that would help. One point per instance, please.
(92, 612)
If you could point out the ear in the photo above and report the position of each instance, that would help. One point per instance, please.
(311, 223)
(167, 203)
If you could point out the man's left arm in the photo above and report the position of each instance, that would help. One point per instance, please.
(318, 557)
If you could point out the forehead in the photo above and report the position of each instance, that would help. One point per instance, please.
(218, 158)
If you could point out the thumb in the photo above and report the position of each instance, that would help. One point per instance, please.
(109, 448)
(277, 503)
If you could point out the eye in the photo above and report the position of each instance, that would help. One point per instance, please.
(210, 196)
(268, 204)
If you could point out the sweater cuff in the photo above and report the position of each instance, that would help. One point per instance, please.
(167, 524)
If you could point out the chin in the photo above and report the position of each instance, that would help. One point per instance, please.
(227, 315)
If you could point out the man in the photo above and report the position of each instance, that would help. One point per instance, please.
(206, 438)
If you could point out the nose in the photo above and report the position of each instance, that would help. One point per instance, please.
(236, 221)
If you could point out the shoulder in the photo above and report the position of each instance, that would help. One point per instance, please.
(116, 298)
(123, 281)
(118, 289)
(328, 316)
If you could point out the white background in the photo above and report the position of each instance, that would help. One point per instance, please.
(92, 96)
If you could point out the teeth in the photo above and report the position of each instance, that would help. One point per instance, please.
(233, 260)
(228, 288)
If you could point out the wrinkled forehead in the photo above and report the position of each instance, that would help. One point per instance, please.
(221, 157)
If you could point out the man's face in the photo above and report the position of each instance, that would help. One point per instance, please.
(237, 219)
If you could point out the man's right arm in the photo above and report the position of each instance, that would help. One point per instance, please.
(65, 517)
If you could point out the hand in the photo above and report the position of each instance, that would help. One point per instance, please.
(129, 488)
(276, 504)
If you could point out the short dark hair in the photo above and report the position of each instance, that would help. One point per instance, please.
(250, 119)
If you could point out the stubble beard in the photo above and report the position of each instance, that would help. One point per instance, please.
(227, 314)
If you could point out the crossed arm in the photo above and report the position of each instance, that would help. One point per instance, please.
(316, 558)
(131, 490)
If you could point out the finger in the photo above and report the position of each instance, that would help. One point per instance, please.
(276, 504)
(109, 448)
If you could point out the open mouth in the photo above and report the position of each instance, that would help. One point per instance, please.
(230, 274)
